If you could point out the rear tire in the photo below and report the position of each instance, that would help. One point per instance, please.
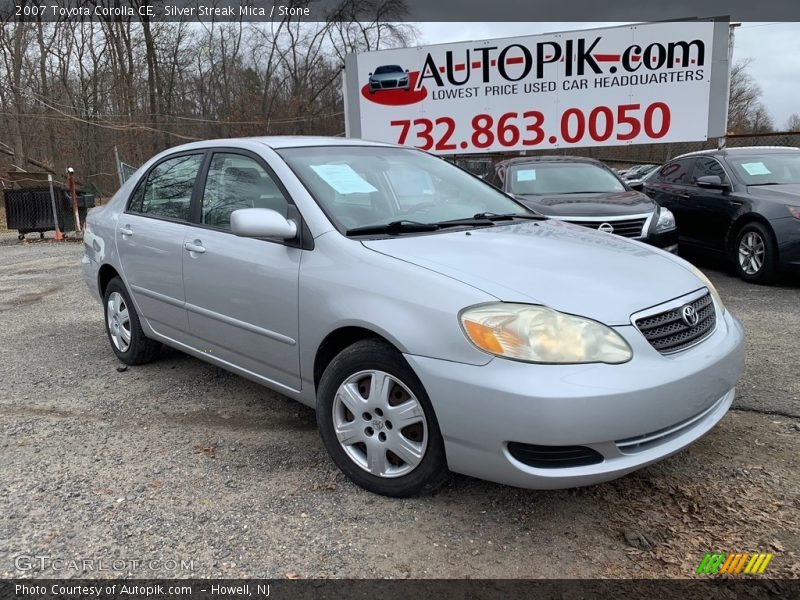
(123, 328)
(377, 422)
(756, 254)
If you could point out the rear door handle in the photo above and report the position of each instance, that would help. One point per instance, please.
(126, 230)
(196, 247)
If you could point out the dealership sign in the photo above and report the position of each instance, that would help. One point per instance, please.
(655, 82)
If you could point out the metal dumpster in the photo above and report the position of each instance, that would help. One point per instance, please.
(30, 210)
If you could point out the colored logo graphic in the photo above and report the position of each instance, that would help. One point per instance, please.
(392, 85)
(734, 563)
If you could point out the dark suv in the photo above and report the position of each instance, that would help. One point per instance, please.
(585, 192)
(741, 203)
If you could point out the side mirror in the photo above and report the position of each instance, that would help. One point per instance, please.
(636, 185)
(370, 74)
(407, 70)
(262, 223)
(711, 182)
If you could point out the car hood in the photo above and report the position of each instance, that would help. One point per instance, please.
(567, 267)
(608, 204)
(785, 192)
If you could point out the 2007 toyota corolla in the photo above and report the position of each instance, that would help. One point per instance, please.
(434, 323)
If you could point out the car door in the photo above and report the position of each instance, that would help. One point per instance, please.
(149, 237)
(241, 293)
(715, 209)
(671, 189)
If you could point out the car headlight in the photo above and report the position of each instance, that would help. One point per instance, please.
(666, 220)
(707, 282)
(541, 335)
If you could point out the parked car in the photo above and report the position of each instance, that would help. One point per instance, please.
(388, 77)
(638, 172)
(637, 183)
(434, 322)
(739, 203)
(586, 192)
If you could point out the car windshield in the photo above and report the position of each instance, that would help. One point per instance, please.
(767, 169)
(363, 186)
(536, 179)
(388, 69)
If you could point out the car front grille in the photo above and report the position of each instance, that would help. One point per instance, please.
(667, 332)
(630, 228)
(389, 84)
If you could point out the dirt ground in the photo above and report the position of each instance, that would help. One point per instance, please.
(179, 460)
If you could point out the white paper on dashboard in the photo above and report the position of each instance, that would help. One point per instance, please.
(343, 179)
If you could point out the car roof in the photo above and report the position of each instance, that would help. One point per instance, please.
(277, 142)
(737, 151)
(521, 160)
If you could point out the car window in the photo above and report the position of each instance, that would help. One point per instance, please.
(361, 186)
(705, 166)
(167, 193)
(767, 169)
(561, 178)
(677, 172)
(411, 186)
(236, 181)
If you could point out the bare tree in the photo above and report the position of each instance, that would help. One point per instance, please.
(793, 122)
(746, 111)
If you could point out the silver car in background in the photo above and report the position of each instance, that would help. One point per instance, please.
(433, 322)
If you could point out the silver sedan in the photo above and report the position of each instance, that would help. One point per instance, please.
(433, 322)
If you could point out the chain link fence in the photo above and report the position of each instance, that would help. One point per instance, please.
(628, 156)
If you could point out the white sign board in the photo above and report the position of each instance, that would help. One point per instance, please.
(623, 85)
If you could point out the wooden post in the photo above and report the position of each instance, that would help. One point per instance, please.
(74, 196)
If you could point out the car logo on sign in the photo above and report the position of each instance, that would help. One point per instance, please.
(690, 316)
(607, 227)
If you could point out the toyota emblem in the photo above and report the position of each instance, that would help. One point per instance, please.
(690, 316)
(607, 227)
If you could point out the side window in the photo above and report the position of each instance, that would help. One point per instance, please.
(492, 178)
(168, 190)
(236, 181)
(708, 166)
(677, 172)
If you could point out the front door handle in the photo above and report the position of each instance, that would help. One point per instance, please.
(126, 231)
(195, 247)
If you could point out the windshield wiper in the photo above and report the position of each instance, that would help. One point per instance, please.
(395, 227)
(509, 216)
(767, 183)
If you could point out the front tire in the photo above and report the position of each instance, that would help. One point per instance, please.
(377, 422)
(123, 328)
(756, 254)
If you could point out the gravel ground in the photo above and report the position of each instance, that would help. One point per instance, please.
(179, 460)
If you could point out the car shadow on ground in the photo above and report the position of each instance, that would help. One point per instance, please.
(707, 262)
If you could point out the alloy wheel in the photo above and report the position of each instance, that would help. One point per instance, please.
(751, 252)
(119, 321)
(380, 424)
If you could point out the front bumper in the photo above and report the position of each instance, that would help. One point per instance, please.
(667, 240)
(787, 233)
(666, 401)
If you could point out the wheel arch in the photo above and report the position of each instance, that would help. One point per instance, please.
(741, 222)
(104, 275)
(336, 341)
